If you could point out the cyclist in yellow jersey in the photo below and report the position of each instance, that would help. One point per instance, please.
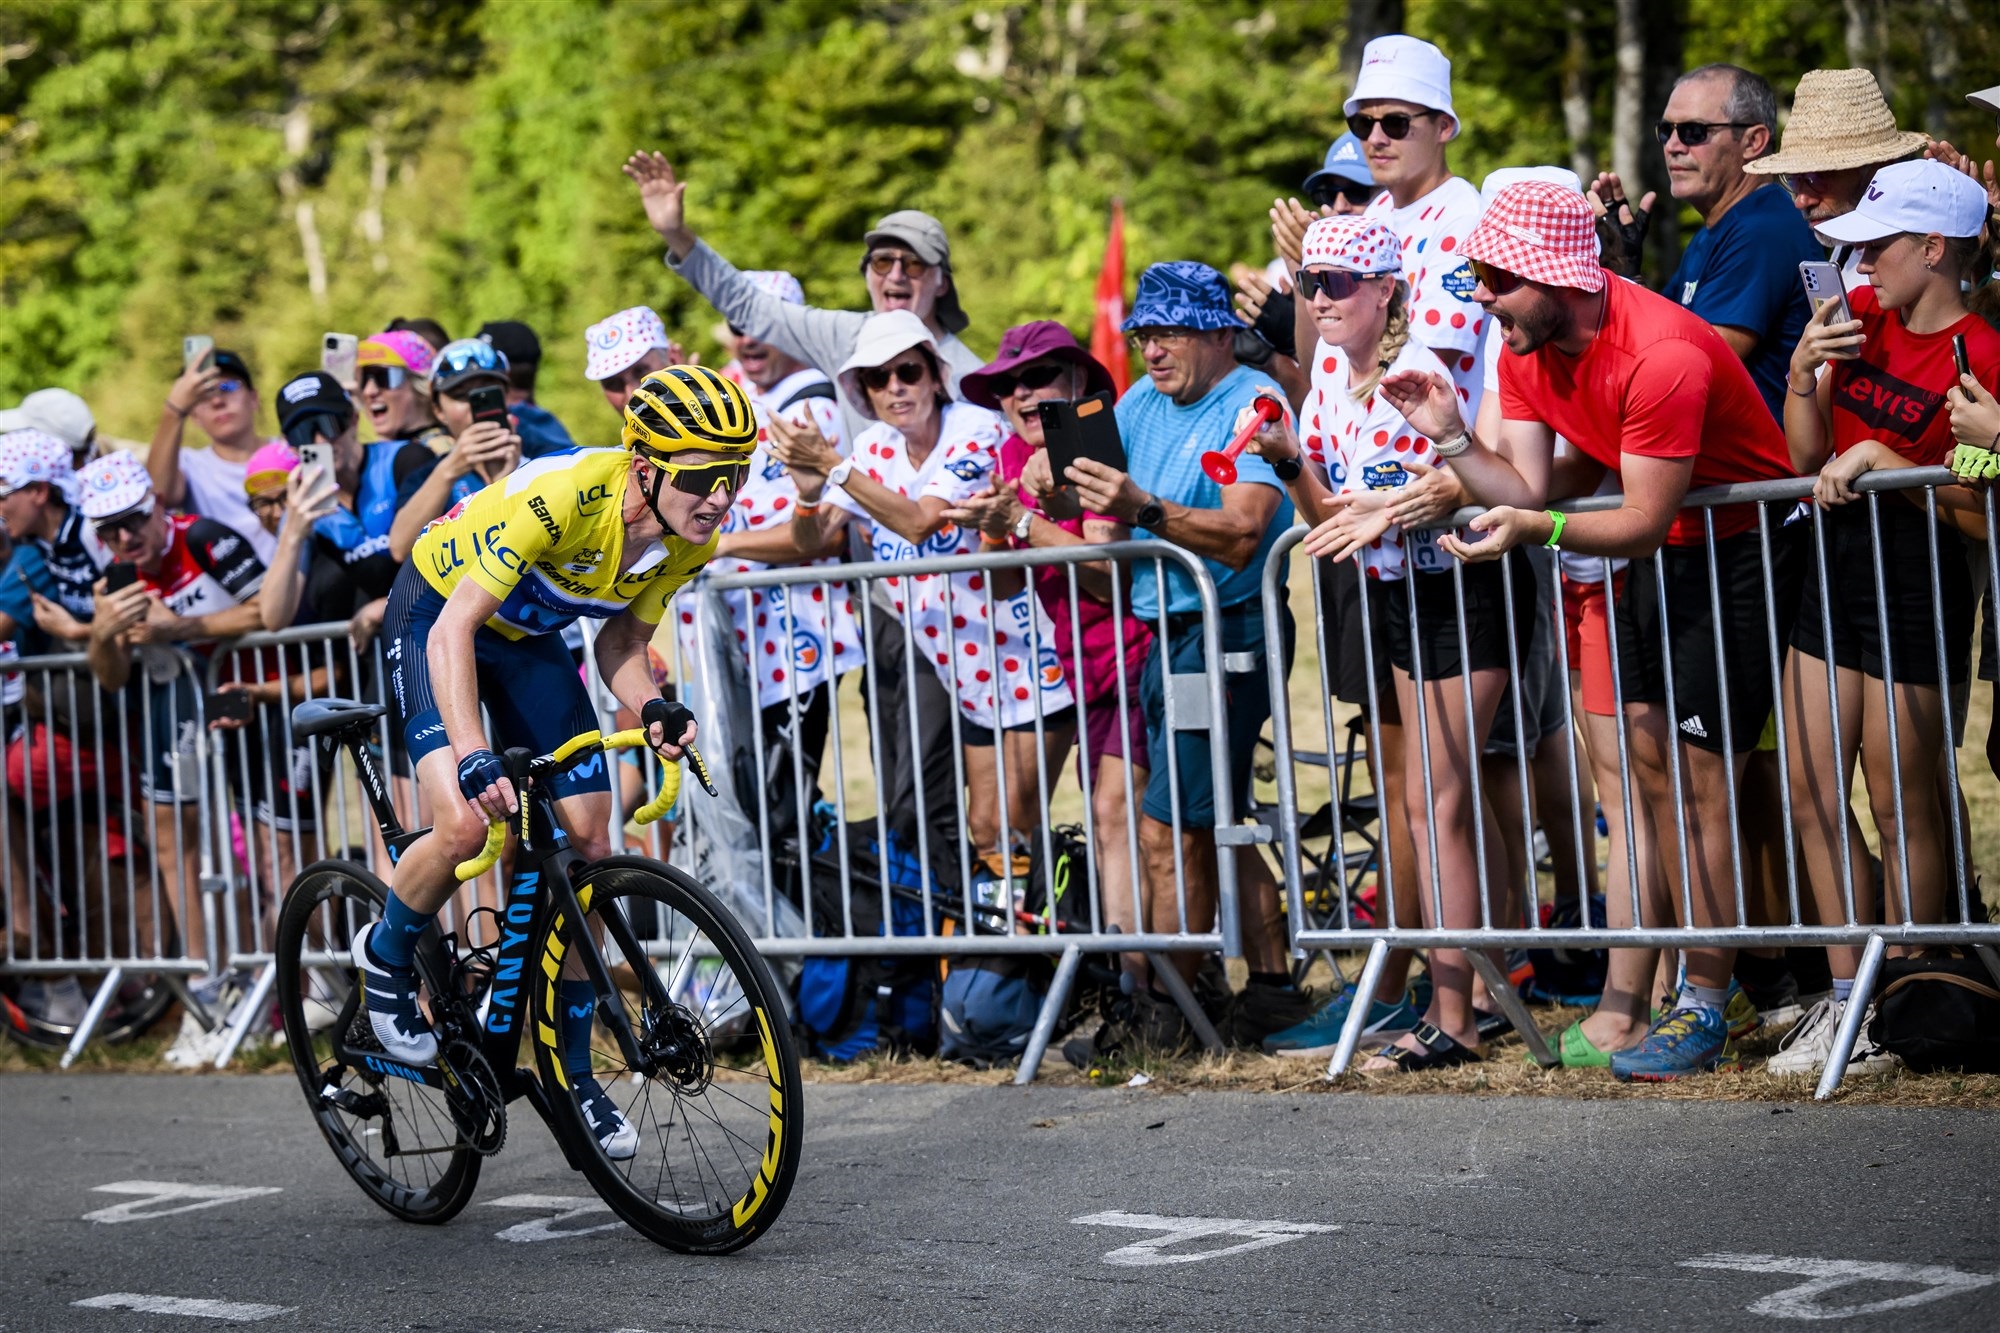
(475, 618)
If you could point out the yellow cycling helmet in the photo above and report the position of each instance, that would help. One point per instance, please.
(689, 407)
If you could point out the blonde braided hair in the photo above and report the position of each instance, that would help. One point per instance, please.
(1395, 334)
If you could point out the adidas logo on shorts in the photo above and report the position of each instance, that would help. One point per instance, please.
(1692, 726)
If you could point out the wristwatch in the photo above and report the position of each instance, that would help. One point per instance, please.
(1022, 524)
(1151, 514)
(838, 473)
(1288, 469)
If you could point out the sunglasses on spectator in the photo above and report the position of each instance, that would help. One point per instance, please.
(227, 386)
(1815, 181)
(383, 377)
(1694, 133)
(1354, 192)
(1138, 338)
(1396, 124)
(881, 265)
(1337, 283)
(260, 503)
(909, 372)
(1033, 377)
(126, 524)
(1496, 280)
(315, 426)
(703, 478)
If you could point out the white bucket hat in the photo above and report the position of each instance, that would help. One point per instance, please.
(1403, 69)
(883, 338)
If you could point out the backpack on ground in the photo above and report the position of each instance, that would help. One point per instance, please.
(1939, 1010)
(988, 1005)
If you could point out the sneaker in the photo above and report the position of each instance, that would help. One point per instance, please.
(195, 1047)
(614, 1133)
(1686, 1041)
(1771, 987)
(1320, 1032)
(59, 1003)
(1741, 1013)
(1261, 1009)
(1809, 1046)
(1138, 1024)
(391, 998)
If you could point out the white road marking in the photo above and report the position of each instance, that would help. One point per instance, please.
(237, 1312)
(1935, 1282)
(186, 1198)
(564, 1207)
(1149, 1252)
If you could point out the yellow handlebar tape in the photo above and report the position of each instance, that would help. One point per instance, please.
(496, 838)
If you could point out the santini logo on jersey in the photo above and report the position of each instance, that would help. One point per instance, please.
(541, 508)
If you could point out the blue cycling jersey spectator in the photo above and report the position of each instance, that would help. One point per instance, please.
(1741, 270)
(541, 433)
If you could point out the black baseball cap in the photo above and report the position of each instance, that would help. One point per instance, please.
(234, 367)
(314, 393)
(512, 339)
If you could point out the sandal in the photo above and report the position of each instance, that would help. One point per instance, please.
(1438, 1051)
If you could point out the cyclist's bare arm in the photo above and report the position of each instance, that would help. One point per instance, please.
(621, 661)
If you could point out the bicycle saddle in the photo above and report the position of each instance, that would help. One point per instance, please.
(326, 717)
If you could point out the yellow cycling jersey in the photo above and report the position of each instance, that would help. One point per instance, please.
(548, 539)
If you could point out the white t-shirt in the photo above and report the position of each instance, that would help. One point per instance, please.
(948, 616)
(1364, 445)
(1443, 315)
(825, 644)
(215, 490)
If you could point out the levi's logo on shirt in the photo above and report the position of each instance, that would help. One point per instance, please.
(1887, 403)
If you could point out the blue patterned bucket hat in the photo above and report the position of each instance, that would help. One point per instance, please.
(1182, 294)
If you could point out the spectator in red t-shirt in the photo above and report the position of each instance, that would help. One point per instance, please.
(1870, 395)
(1645, 389)
(1040, 362)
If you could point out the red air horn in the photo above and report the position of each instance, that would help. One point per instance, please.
(1221, 467)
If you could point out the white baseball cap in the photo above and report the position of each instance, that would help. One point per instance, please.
(618, 342)
(1920, 197)
(62, 414)
(115, 484)
(1404, 69)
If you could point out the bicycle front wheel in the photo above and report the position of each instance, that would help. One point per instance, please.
(714, 1097)
(394, 1135)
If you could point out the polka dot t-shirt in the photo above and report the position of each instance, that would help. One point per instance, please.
(1364, 446)
(1443, 315)
(817, 620)
(1002, 660)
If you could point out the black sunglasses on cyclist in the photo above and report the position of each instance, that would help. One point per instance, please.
(1354, 192)
(882, 265)
(1337, 283)
(702, 478)
(1396, 124)
(1496, 280)
(1034, 377)
(1694, 133)
(383, 377)
(910, 372)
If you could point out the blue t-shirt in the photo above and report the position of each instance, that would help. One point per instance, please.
(1164, 443)
(26, 570)
(541, 433)
(1744, 272)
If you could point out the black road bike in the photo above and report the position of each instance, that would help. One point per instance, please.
(689, 1037)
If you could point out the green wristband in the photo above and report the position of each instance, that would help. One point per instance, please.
(1556, 533)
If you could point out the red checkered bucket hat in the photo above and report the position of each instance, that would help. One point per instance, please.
(1542, 232)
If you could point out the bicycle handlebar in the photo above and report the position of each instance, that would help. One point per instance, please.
(573, 748)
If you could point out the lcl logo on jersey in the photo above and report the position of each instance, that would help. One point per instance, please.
(590, 501)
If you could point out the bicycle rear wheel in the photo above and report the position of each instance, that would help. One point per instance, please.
(716, 1100)
(394, 1136)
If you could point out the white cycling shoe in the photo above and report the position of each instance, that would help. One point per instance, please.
(614, 1133)
(391, 998)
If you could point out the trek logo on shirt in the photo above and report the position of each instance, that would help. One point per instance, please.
(1460, 282)
(1887, 403)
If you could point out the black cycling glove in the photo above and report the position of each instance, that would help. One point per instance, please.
(478, 771)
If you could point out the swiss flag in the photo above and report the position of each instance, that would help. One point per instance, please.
(1107, 342)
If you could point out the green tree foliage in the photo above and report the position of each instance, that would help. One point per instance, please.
(266, 170)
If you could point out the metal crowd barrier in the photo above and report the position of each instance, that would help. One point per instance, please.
(128, 931)
(1335, 928)
(732, 841)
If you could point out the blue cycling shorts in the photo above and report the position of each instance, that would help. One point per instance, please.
(530, 687)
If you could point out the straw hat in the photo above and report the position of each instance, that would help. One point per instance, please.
(1839, 121)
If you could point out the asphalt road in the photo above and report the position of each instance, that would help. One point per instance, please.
(948, 1207)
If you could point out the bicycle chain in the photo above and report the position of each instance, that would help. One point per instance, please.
(476, 1106)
